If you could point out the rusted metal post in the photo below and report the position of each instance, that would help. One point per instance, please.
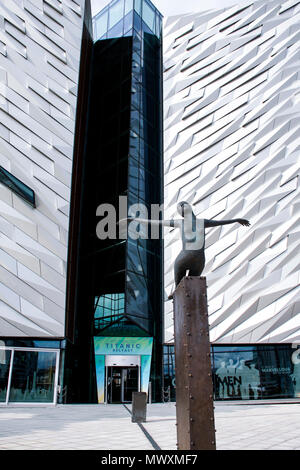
(194, 386)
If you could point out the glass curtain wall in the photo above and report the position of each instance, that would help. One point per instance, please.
(109, 309)
(140, 22)
(100, 262)
(123, 17)
(247, 372)
(119, 289)
(253, 372)
(28, 376)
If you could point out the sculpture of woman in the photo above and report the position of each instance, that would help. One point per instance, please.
(192, 258)
(192, 229)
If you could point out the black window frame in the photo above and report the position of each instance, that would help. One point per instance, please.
(16, 186)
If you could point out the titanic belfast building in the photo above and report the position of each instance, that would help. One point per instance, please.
(103, 115)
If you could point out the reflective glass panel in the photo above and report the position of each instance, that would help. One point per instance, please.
(158, 25)
(133, 178)
(128, 22)
(33, 377)
(137, 298)
(234, 372)
(137, 23)
(263, 372)
(101, 24)
(108, 309)
(169, 388)
(249, 372)
(5, 355)
(138, 6)
(30, 343)
(128, 33)
(128, 6)
(295, 375)
(149, 16)
(115, 13)
(116, 31)
(130, 382)
(17, 186)
(135, 121)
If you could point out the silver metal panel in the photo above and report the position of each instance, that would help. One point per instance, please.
(39, 71)
(232, 148)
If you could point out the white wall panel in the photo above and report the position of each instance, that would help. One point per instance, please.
(40, 43)
(232, 148)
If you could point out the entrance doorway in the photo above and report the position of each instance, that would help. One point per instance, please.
(121, 382)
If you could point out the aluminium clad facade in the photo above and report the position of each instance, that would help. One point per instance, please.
(40, 47)
(232, 147)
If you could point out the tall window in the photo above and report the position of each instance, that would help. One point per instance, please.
(109, 308)
(28, 376)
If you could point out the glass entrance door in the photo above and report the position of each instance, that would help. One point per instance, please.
(130, 383)
(114, 384)
(121, 382)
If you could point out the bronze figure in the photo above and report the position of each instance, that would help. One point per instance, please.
(192, 230)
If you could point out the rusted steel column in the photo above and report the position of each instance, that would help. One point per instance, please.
(194, 386)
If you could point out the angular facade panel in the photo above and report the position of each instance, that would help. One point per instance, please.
(40, 45)
(232, 143)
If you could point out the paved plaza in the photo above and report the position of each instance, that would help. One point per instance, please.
(109, 427)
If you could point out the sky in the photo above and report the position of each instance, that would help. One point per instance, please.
(176, 7)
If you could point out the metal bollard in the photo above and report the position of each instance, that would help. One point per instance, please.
(139, 407)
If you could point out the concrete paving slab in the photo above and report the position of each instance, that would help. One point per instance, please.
(109, 427)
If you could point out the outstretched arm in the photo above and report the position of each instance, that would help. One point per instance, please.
(215, 223)
(166, 223)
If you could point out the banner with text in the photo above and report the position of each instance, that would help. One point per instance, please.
(137, 346)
